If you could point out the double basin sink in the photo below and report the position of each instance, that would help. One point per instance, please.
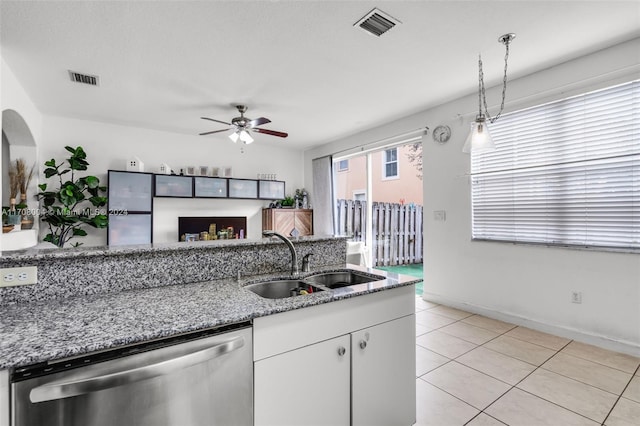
(282, 288)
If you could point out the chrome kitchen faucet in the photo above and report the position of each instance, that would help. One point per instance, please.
(292, 249)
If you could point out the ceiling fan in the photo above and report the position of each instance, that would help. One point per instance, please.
(242, 126)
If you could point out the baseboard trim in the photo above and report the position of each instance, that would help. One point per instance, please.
(583, 336)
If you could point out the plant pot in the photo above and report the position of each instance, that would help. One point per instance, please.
(26, 222)
(13, 218)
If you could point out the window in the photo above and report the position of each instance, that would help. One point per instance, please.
(343, 165)
(360, 195)
(566, 173)
(390, 166)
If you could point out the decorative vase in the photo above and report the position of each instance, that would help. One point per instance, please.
(13, 217)
(26, 222)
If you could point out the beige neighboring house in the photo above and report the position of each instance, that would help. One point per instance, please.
(395, 178)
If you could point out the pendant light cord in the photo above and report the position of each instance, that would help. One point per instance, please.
(482, 95)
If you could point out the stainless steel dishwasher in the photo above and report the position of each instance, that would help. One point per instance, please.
(202, 378)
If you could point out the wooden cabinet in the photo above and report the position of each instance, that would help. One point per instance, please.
(355, 358)
(285, 221)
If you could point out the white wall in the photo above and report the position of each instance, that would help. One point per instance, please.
(13, 97)
(108, 147)
(528, 285)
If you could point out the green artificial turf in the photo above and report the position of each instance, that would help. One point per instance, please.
(414, 270)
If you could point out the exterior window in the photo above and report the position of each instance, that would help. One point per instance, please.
(390, 163)
(359, 196)
(343, 165)
(563, 173)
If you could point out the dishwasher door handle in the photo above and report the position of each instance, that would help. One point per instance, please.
(63, 389)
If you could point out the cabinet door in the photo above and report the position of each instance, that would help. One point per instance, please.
(306, 386)
(129, 229)
(304, 222)
(129, 191)
(174, 186)
(284, 221)
(383, 374)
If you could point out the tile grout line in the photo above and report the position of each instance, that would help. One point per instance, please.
(538, 396)
(620, 396)
(585, 383)
(525, 377)
(521, 380)
(599, 363)
(481, 411)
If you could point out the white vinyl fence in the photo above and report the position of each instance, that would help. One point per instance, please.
(397, 230)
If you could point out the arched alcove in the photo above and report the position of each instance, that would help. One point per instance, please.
(18, 142)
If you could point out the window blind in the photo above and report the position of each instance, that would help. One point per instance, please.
(566, 172)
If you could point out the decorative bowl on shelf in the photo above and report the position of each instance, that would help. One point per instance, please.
(7, 228)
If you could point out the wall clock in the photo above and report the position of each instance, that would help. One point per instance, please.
(441, 134)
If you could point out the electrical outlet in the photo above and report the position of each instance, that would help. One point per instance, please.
(576, 297)
(19, 276)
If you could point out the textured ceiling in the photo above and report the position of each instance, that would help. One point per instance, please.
(302, 64)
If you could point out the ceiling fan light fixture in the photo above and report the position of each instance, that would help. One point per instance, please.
(245, 137)
(242, 127)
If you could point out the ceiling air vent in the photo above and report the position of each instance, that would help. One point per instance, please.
(76, 77)
(376, 22)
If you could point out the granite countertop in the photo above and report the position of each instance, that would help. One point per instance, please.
(45, 331)
(102, 251)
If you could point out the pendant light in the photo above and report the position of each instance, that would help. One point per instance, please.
(479, 138)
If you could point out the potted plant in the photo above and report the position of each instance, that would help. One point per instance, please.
(65, 208)
(288, 201)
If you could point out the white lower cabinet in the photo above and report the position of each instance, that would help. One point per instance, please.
(383, 389)
(343, 363)
(306, 386)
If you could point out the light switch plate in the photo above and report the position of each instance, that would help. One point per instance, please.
(18, 276)
(439, 215)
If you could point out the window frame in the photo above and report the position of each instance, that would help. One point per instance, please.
(385, 162)
(340, 168)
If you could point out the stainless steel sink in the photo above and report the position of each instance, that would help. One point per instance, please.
(342, 278)
(280, 289)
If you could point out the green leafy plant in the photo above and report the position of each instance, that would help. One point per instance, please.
(288, 201)
(65, 209)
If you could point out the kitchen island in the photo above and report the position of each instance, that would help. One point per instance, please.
(52, 325)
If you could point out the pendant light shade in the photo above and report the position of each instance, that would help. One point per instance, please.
(234, 137)
(479, 138)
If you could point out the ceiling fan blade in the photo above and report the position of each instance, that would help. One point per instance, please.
(217, 121)
(215, 131)
(259, 121)
(270, 132)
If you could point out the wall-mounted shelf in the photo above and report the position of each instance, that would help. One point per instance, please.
(173, 186)
(131, 197)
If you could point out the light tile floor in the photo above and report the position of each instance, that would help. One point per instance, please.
(476, 371)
